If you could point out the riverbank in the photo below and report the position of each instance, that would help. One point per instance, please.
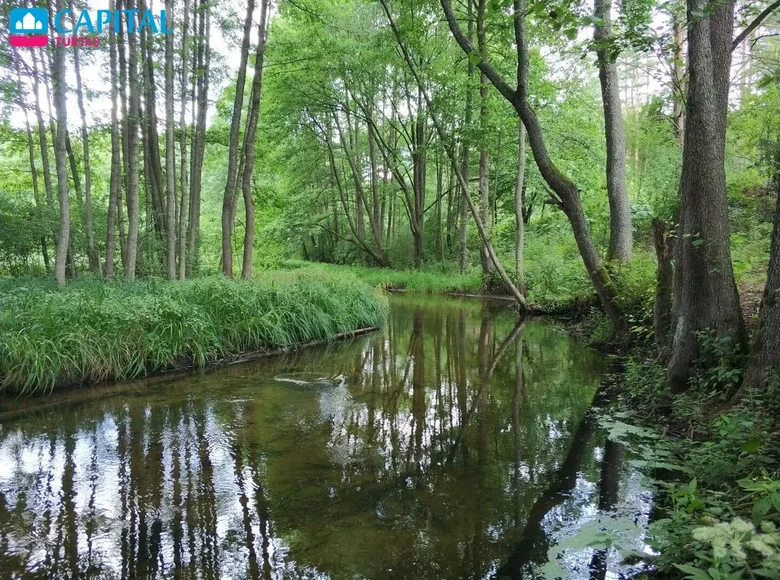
(92, 331)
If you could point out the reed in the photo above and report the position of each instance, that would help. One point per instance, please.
(95, 331)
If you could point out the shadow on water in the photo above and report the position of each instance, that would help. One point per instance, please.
(455, 443)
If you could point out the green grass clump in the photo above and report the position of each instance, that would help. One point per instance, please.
(93, 331)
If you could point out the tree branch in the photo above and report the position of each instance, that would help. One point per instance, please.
(755, 24)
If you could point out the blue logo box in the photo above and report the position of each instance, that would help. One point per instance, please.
(29, 21)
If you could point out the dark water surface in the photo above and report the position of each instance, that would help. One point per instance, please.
(454, 443)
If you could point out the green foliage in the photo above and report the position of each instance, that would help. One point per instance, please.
(93, 331)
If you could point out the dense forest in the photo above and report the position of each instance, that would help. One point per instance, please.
(614, 162)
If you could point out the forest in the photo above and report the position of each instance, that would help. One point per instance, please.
(188, 181)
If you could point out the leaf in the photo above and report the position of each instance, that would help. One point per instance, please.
(760, 508)
(776, 501)
(474, 58)
(693, 572)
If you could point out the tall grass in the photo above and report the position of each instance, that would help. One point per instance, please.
(93, 331)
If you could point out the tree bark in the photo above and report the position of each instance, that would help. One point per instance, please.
(115, 179)
(620, 234)
(705, 291)
(519, 203)
(662, 305)
(465, 162)
(94, 260)
(484, 161)
(230, 186)
(132, 197)
(249, 143)
(170, 151)
(199, 138)
(185, 194)
(60, 154)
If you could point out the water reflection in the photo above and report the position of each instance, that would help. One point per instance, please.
(455, 443)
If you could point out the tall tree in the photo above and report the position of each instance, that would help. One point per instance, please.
(132, 196)
(170, 151)
(185, 202)
(228, 209)
(620, 234)
(484, 177)
(60, 153)
(250, 135)
(519, 205)
(705, 293)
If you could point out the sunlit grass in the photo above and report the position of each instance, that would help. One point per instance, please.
(94, 331)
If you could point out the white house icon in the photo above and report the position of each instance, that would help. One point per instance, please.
(29, 22)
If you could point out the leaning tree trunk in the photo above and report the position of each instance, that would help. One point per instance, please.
(705, 292)
(617, 191)
(564, 188)
(60, 154)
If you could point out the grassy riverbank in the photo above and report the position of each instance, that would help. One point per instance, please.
(94, 331)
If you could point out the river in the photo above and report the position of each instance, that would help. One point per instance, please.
(453, 443)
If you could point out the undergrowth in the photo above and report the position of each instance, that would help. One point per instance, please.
(94, 331)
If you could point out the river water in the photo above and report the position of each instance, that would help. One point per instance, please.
(454, 443)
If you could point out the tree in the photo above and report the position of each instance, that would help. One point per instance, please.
(228, 209)
(184, 206)
(620, 233)
(170, 153)
(60, 153)
(705, 293)
(250, 136)
(132, 198)
(568, 195)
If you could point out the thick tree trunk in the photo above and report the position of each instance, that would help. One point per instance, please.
(620, 234)
(60, 154)
(170, 151)
(249, 143)
(705, 292)
(235, 124)
(519, 203)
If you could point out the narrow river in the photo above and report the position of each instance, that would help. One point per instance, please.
(454, 443)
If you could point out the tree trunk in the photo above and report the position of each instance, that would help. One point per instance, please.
(132, 197)
(94, 260)
(115, 179)
(678, 82)
(249, 143)
(465, 161)
(519, 219)
(484, 161)
(620, 234)
(705, 291)
(185, 194)
(199, 139)
(60, 154)
(764, 363)
(662, 305)
(170, 151)
(230, 186)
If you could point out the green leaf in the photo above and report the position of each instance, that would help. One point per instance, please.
(760, 508)
(474, 58)
(693, 572)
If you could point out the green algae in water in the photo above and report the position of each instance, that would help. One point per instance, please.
(453, 443)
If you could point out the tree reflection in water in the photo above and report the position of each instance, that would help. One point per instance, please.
(455, 443)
